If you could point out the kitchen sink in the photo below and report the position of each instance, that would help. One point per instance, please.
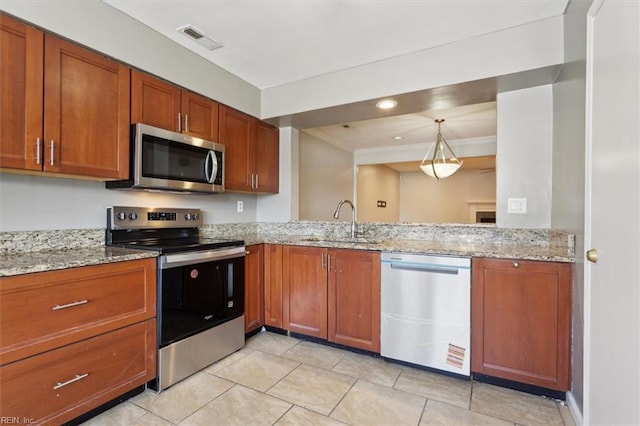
(344, 240)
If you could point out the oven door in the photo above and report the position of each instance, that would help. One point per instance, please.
(169, 160)
(198, 295)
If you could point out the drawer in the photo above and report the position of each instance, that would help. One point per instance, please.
(42, 311)
(64, 383)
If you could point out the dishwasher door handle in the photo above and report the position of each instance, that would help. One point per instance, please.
(426, 268)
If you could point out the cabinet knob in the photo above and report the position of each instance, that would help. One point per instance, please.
(247, 252)
(592, 255)
(516, 264)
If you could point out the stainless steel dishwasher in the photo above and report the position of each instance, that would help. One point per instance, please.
(426, 311)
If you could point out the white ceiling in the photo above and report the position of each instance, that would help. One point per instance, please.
(465, 122)
(275, 42)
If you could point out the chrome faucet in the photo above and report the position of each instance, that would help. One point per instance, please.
(353, 216)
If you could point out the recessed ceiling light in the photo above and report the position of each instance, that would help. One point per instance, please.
(397, 138)
(387, 104)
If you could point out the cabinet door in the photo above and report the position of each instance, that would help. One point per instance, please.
(354, 299)
(273, 285)
(520, 321)
(154, 102)
(59, 385)
(21, 89)
(236, 133)
(200, 116)
(254, 288)
(86, 112)
(305, 290)
(41, 311)
(266, 160)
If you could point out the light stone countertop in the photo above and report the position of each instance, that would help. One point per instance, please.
(446, 248)
(27, 252)
(50, 260)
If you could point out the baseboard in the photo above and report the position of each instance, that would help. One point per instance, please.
(574, 409)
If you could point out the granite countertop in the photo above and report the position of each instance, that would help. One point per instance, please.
(38, 251)
(49, 260)
(449, 248)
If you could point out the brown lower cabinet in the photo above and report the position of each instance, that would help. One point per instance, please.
(254, 287)
(64, 383)
(332, 294)
(74, 339)
(273, 285)
(521, 321)
(354, 299)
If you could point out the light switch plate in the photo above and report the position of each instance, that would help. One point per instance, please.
(517, 206)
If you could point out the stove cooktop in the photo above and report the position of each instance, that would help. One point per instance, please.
(178, 245)
(166, 230)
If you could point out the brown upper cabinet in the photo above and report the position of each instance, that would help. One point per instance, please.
(83, 128)
(251, 152)
(161, 104)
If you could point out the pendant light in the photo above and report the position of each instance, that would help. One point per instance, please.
(441, 165)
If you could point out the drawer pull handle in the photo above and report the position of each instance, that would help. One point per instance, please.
(68, 382)
(70, 305)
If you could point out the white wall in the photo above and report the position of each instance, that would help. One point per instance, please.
(567, 206)
(326, 177)
(424, 199)
(378, 183)
(44, 203)
(524, 158)
(522, 48)
(284, 206)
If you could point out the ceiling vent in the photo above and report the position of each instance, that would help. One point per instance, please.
(199, 37)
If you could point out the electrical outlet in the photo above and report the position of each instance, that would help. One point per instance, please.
(240, 206)
(382, 203)
(517, 206)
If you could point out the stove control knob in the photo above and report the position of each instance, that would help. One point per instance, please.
(133, 215)
(196, 216)
(187, 216)
(121, 216)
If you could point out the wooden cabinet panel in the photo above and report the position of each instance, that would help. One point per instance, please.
(273, 285)
(266, 159)
(354, 299)
(254, 288)
(200, 116)
(41, 311)
(236, 134)
(161, 104)
(86, 112)
(69, 106)
(521, 321)
(61, 384)
(21, 94)
(154, 102)
(305, 290)
(252, 152)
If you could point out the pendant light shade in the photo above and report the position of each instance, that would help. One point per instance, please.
(443, 163)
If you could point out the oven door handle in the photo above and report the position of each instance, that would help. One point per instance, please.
(173, 260)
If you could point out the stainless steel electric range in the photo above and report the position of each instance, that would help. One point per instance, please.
(200, 312)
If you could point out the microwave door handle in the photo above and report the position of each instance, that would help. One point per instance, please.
(210, 160)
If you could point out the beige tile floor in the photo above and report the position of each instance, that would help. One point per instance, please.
(279, 380)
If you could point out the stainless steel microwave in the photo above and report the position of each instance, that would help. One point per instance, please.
(169, 161)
